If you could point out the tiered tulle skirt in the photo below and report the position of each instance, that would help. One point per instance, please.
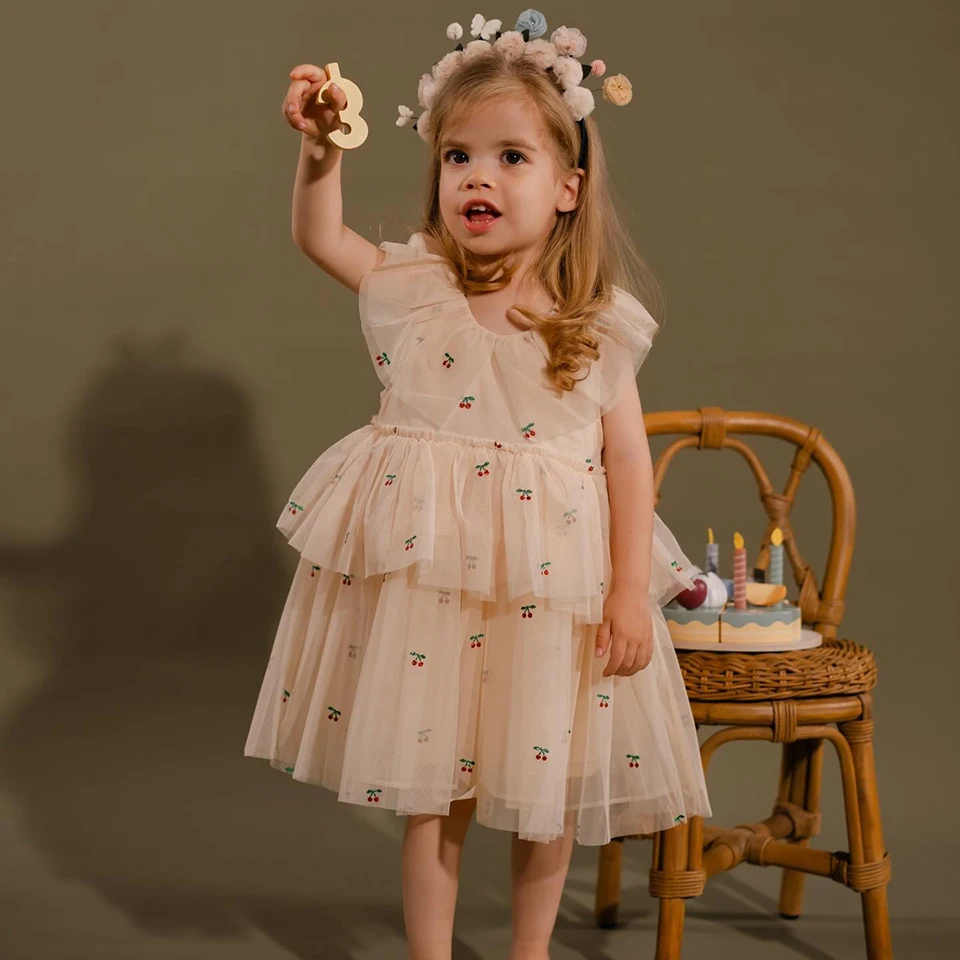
(437, 643)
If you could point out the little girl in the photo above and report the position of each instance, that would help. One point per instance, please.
(474, 625)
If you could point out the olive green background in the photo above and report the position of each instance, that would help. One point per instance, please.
(171, 364)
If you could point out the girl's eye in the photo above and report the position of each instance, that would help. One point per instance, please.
(507, 153)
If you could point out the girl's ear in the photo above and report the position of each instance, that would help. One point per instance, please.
(570, 192)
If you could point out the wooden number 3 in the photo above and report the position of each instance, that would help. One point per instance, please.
(356, 131)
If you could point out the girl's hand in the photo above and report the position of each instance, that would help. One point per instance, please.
(300, 107)
(627, 631)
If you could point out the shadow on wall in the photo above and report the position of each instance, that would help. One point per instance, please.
(151, 622)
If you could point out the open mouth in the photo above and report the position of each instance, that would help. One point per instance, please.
(479, 217)
(481, 213)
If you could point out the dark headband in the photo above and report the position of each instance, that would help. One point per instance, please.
(582, 162)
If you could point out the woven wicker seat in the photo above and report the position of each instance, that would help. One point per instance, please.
(800, 699)
(839, 666)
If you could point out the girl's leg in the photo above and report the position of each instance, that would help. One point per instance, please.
(539, 871)
(430, 874)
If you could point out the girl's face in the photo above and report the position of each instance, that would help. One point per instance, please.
(501, 155)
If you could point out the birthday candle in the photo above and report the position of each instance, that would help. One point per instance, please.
(713, 553)
(739, 573)
(776, 556)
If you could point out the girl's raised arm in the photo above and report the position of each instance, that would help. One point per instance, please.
(317, 216)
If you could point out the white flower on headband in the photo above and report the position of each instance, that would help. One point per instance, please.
(426, 90)
(568, 71)
(580, 102)
(454, 31)
(486, 29)
(476, 48)
(542, 52)
(406, 116)
(569, 41)
(447, 64)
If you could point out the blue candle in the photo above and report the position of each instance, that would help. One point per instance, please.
(776, 556)
(713, 553)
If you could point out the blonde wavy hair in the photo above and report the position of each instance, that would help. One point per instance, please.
(588, 252)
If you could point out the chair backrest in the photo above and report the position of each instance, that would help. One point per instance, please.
(711, 428)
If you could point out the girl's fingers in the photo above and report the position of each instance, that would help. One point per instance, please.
(617, 650)
(333, 96)
(308, 71)
(603, 638)
(293, 102)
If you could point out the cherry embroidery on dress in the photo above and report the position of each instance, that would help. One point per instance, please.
(418, 658)
(423, 736)
(634, 759)
(443, 596)
(570, 516)
(347, 579)
(448, 361)
(524, 493)
(528, 431)
(589, 464)
(382, 359)
(373, 796)
(679, 818)
(604, 699)
(544, 572)
(286, 695)
(482, 470)
(471, 561)
(334, 714)
(467, 765)
(528, 609)
(388, 479)
(475, 640)
(467, 402)
(295, 507)
(408, 543)
(542, 753)
(313, 570)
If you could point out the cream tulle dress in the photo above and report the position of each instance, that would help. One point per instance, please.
(437, 641)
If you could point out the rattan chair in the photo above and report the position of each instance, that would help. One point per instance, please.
(799, 699)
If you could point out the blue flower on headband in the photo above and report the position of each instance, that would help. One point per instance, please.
(534, 21)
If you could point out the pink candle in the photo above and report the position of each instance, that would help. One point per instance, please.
(739, 573)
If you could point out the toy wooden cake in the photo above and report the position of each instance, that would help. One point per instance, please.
(736, 611)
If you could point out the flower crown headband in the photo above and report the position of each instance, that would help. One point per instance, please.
(559, 56)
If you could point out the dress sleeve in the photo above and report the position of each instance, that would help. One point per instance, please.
(403, 292)
(627, 332)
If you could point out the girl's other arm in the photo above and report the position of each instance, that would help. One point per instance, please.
(626, 457)
(317, 215)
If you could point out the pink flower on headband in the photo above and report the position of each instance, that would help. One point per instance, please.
(510, 44)
(598, 68)
(569, 41)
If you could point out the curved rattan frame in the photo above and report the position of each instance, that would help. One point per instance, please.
(801, 700)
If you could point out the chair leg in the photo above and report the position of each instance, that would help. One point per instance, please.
(607, 901)
(876, 917)
(800, 779)
(673, 856)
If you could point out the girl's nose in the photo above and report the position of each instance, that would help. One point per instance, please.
(479, 179)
